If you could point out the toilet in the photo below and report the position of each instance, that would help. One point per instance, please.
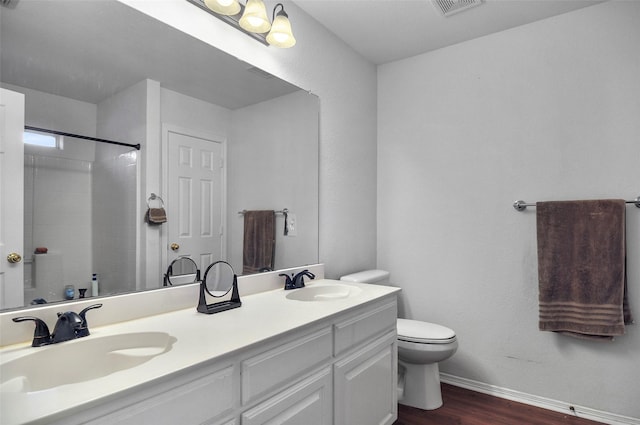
(421, 346)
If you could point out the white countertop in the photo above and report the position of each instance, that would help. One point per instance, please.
(200, 338)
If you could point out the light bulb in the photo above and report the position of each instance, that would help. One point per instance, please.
(254, 18)
(280, 34)
(223, 7)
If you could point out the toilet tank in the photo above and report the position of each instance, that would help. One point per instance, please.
(380, 277)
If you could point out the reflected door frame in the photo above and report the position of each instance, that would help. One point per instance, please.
(167, 130)
(12, 111)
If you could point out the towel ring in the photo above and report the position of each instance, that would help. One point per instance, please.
(154, 197)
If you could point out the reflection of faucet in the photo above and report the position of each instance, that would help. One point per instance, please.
(297, 281)
(70, 325)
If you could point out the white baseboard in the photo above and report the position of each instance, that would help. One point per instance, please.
(534, 400)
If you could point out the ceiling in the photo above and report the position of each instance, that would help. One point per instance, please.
(388, 30)
(75, 61)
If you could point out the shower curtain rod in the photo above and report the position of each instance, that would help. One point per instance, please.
(77, 136)
(522, 205)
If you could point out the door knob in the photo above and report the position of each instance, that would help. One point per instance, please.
(175, 246)
(14, 258)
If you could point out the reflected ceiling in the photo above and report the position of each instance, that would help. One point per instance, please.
(70, 55)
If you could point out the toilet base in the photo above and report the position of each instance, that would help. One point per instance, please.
(421, 386)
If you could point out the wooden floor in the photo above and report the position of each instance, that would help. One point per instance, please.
(465, 407)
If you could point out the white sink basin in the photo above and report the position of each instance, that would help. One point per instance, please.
(320, 292)
(81, 360)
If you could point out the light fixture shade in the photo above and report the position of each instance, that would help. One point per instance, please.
(280, 34)
(224, 7)
(254, 18)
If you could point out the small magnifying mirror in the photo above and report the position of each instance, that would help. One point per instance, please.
(220, 285)
(181, 271)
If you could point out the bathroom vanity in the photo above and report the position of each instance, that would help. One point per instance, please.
(324, 354)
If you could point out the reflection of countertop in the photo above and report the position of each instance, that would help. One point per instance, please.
(200, 337)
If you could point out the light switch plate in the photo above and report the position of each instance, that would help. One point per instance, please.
(292, 225)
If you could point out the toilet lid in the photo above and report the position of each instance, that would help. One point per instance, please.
(424, 332)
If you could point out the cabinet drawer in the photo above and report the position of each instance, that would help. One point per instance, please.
(364, 326)
(281, 365)
(307, 402)
(197, 401)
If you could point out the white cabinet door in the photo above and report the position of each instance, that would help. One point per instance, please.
(306, 403)
(365, 384)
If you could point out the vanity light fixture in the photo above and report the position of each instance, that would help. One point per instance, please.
(224, 7)
(252, 19)
(280, 34)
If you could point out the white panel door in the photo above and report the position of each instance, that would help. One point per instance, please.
(195, 200)
(11, 198)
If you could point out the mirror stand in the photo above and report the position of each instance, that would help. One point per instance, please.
(220, 279)
(232, 302)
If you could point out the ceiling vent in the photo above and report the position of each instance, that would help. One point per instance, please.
(260, 72)
(450, 7)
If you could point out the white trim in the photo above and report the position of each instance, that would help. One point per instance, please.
(543, 402)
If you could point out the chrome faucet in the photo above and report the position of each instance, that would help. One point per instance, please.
(297, 281)
(69, 326)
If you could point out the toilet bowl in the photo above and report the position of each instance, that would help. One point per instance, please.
(421, 346)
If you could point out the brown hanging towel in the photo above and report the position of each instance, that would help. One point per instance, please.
(155, 216)
(581, 268)
(259, 241)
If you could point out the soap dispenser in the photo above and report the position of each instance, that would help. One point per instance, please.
(94, 285)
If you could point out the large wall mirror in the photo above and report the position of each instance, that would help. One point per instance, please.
(218, 138)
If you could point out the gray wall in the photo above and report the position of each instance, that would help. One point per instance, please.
(547, 111)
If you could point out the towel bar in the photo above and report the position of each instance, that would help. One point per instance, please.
(522, 205)
(283, 211)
